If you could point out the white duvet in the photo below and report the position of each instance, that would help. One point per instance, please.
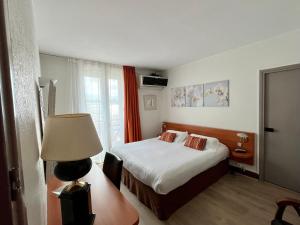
(166, 166)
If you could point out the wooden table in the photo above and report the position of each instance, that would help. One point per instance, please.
(108, 203)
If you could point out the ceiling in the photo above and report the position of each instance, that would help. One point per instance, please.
(158, 34)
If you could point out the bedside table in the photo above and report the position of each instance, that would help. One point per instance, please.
(242, 157)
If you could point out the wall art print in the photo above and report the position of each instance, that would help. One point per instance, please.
(216, 94)
(150, 102)
(178, 97)
(194, 95)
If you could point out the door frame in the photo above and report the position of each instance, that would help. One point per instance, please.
(12, 206)
(262, 83)
(5, 109)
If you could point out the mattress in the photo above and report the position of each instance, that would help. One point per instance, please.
(165, 166)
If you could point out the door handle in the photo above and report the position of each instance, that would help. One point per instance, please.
(269, 129)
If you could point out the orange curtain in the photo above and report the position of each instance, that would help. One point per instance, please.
(132, 124)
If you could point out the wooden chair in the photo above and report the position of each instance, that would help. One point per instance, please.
(281, 207)
(112, 168)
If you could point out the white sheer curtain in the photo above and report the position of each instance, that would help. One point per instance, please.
(97, 88)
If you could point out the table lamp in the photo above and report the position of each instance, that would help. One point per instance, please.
(71, 140)
(243, 139)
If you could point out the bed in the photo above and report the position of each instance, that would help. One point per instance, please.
(164, 176)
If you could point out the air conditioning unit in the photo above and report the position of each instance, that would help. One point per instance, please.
(153, 81)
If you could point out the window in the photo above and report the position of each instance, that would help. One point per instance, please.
(116, 111)
(99, 91)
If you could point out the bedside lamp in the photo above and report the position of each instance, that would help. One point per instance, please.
(243, 139)
(71, 140)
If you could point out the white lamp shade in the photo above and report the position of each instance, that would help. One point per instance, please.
(242, 135)
(70, 137)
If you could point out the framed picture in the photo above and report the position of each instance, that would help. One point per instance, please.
(150, 102)
(178, 97)
(47, 94)
(216, 94)
(194, 95)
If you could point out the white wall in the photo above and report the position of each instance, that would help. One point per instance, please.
(56, 67)
(25, 69)
(241, 66)
(150, 120)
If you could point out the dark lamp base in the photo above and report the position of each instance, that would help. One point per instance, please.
(74, 185)
(72, 170)
(90, 221)
(76, 207)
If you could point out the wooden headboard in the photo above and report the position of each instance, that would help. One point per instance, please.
(227, 137)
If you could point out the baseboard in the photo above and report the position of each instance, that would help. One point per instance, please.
(244, 172)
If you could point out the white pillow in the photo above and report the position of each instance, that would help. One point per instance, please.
(180, 135)
(211, 143)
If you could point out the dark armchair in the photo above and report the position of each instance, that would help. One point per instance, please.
(280, 210)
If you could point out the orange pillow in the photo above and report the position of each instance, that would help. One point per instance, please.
(167, 136)
(197, 143)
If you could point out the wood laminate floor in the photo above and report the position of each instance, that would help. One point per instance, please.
(233, 200)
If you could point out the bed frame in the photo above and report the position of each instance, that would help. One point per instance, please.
(164, 205)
